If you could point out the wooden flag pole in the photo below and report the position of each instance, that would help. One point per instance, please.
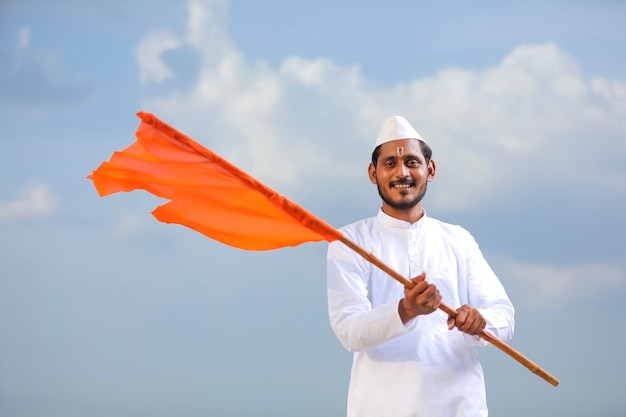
(128, 172)
(533, 367)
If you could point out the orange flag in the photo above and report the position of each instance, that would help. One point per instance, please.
(207, 193)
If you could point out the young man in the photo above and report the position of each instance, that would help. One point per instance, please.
(410, 358)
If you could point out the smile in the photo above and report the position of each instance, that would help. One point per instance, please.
(403, 185)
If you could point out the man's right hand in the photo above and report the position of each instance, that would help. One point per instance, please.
(423, 298)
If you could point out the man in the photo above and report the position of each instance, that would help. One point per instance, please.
(410, 358)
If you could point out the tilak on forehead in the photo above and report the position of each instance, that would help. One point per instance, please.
(395, 128)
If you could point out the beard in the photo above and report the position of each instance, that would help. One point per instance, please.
(404, 205)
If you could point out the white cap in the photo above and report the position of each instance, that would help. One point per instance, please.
(394, 128)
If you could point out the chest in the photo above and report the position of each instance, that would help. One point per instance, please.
(412, 252)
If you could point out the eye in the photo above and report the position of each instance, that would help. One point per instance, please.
(412, 163)
(389, 163)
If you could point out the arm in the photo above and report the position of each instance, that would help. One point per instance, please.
(356, 322)
(491, 308)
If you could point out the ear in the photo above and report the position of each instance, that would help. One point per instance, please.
(371, 171)
(432, 169)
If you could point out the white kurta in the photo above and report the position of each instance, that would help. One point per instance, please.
(421, 368)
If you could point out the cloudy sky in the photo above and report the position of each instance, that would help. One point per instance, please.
(105, 311)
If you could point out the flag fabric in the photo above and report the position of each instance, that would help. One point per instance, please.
(207, 193)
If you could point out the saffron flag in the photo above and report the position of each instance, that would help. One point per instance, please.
(207, 193)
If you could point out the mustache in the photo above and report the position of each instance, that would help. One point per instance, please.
(402, 182)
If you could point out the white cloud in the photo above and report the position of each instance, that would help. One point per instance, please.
(33, 79)
(35, 202)
(307, 72)
(529, 119)
(129, 226)
(152, 68)
(21, 48)
(23, 38)
(548, 285)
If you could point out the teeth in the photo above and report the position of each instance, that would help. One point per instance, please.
(402, 186)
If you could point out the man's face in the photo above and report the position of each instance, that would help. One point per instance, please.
(401, 174)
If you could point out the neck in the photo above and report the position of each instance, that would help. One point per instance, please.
(410, 215)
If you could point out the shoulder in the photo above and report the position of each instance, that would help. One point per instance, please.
(452, 231)
(360, 232)
(359, 225)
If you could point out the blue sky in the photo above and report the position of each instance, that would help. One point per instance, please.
(105, 311)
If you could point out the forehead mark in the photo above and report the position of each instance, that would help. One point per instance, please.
(400, 150)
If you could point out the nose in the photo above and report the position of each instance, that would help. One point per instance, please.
(402, 171)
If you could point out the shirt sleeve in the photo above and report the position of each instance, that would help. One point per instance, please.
(487, 294)
(356, 324)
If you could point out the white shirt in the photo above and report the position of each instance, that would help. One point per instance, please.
(421, 368)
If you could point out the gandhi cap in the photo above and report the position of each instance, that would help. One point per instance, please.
(394, 128)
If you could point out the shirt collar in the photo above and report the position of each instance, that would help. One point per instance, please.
(392, 222)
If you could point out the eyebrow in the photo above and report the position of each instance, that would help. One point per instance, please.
(403, 157)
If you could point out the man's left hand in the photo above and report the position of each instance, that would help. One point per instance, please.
(468, 320)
